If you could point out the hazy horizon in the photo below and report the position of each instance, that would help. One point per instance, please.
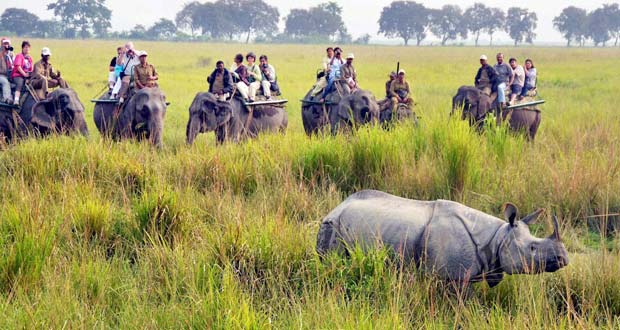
(356, 14)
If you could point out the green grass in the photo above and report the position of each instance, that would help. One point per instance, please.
(96, 234)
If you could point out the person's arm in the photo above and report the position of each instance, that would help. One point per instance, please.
(393, 90)
(272, 73)
(17, 65)
(155, 76)
(477, 78)
(512, 76)
(136, 79)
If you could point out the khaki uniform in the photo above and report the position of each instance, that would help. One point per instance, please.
(44, 78)
(400, 89)
(141, 74)
(484, 84)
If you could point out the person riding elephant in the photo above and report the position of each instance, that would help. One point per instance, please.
(230, 120)
(400, 92)
(356, 109)
(476, 105)
(43, 76)
(315, 114)
(61, 113)
(142, 116)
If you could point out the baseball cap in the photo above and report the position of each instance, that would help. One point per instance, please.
(350, 56)
(46, 51)
(483, 57)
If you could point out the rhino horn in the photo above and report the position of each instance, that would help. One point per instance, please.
(530, 219)
(556, 230)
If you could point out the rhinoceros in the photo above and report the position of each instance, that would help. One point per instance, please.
(453, 241)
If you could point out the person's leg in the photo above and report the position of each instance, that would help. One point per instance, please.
(19, 84)
(243, 90)
(266, 88)
(124, 88)
(254, 86)
(117, 88)
(62, 83)
(6, 89)
(328, 88)
(111, 79)
(501, 93)
(394, 104)
(320, 86)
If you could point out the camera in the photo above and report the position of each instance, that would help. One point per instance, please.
(10, 48)
(265, 66)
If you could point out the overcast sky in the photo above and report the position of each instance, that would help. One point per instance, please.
(360, 16)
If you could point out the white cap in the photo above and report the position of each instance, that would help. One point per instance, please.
(142, 53)
(483, 57)
(350, 56)
(401, 71)
(46, 51)
(6, 41)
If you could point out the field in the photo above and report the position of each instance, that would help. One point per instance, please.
(96, 234)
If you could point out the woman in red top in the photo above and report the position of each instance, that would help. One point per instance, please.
(22, 69)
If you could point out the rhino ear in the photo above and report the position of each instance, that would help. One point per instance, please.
(511, 213)
(530, 219)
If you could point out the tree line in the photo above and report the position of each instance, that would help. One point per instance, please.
(406, 20)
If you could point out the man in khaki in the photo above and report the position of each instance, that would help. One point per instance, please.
(400, 92)
(144, 74)
(349, 73)
(322, 82)
(44, 77)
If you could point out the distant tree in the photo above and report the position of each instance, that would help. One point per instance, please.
(138, 32)
(324, 22)
(216, 21)
(163, 29)
(496, 22)
(477, 17)
(83, 16)
(262, 19)
(362, 40)
(520, 25)
(572, 23)
(406, 20)
(188, 17)
(447, 23)
(19, 21)
(48, 29)
(599, 27)
(612, 12)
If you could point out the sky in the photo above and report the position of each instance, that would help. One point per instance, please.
(360, 16)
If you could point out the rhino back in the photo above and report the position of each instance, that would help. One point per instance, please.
(373, 219)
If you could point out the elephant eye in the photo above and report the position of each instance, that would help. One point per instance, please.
(533, 247)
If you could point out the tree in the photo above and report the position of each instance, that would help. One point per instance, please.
(476, 17)
(447, 23)
(187, 18)
(406, 20)
(598, 27)
(495, 22)
(19, 21)
(572, 23)
(48, 29)
(215, 20)
(520, 25)
(163, 29)
(261, 20)
(612, 11)
(84, 16)
(324, 22)
(362, 40)
(138, 32)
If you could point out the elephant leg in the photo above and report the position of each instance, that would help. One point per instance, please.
(193, 128)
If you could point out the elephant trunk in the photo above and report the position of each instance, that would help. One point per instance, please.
(193, 128)
(156, 128)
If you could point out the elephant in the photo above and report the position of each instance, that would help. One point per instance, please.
(316, 116)
(230, 120)
(476, 105)
(355, 109)
(141, 117)
(61, 112)
(387, 117)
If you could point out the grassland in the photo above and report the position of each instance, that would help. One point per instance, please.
(95, 234)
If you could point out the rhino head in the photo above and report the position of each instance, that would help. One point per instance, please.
(522, 253)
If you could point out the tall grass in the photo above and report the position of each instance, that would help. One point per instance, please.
(97, 234)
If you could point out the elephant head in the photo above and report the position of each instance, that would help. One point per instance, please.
(358, 108)
(207, 114)
(61, 112)
(143, 116)
(474, 103)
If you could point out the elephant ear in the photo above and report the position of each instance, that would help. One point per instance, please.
(224, 112)
(41, 114)
(345, 108)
